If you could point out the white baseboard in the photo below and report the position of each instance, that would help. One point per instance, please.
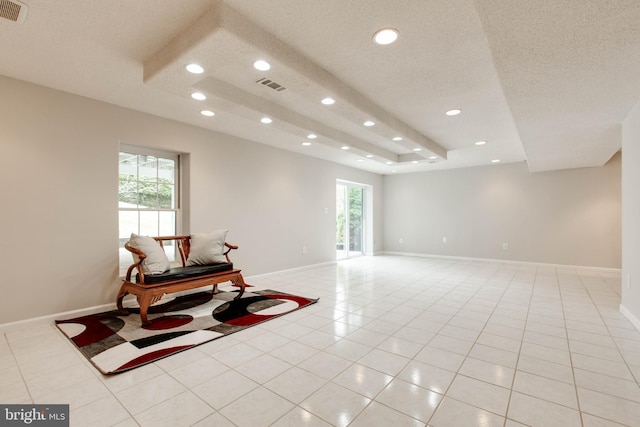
(289, 270)
(50, 318)
(629, 315)
(503, 261)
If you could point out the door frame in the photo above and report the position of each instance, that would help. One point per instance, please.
(367, 219)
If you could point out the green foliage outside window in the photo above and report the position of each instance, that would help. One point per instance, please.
(355, 220)
(148, 192)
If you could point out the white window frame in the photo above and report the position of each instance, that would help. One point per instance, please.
(125, 258)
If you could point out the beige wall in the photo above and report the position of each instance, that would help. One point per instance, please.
(565, 217)
(631, 216)
(58, 176)
(58, 179)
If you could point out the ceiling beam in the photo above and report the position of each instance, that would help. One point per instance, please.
(289, 120)
(221, 16)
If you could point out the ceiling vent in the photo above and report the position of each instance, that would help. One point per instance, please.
(268, 83)
(13, 10)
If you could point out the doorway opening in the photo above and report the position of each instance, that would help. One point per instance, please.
(353, 233)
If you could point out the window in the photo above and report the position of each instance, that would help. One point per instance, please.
(148, 201)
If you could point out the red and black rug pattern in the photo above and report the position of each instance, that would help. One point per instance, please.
(115, 343)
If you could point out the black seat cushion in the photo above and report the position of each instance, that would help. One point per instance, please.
(177, 273)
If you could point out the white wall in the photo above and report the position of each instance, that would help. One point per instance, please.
(58, 179)
(631, 216)
(567, 217)
(273, 204)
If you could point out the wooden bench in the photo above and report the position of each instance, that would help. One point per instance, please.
(149, 288)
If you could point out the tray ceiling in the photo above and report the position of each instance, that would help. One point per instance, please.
(547, 82)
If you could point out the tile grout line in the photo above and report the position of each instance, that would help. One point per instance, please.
(515, 369)
(573, 372)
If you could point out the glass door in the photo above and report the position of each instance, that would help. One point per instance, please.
(350, 202)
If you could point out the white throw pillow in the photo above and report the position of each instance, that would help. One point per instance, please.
(156, 261)
(207, 248)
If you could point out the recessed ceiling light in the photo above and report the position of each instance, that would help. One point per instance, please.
(415, 162)
(344, 147)
(360, 160)
(417, 149)
(453, 112)
(306, 143)
(198, 96)
(194, 68)
(207, 113)
(261, 65)
(481, 142)
(266, 120)
(312, 136)
(394, 171)
(385, 36)
(495, 161)
(369, 156)
(369, 123)
(433, 157)
(328, 101)
(389, 163)
(397, 138)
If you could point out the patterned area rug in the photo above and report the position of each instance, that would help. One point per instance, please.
(115, 343)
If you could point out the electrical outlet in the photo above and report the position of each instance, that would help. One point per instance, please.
(505, 246)
(304, 249)
(444, 240)
(401, 240)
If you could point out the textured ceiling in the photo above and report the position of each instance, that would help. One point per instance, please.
(546, 81)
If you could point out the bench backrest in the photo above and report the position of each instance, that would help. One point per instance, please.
(184, 245)
(182, 242)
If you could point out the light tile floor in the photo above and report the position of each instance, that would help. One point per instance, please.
(392, 341)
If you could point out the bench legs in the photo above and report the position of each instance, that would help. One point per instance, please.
(146, 297)
(239, 281)
(121, 294)
(144, 301)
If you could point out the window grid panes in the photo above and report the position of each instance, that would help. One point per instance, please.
(147, 198)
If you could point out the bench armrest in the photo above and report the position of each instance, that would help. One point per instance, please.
(230, 248)
(137, 265)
